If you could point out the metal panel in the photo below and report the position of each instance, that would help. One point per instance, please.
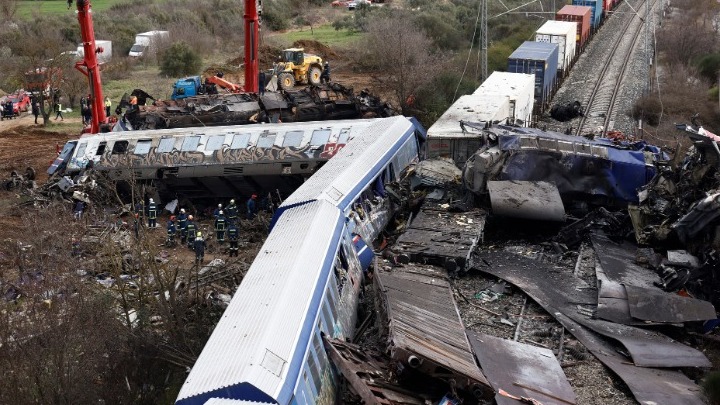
(526, 199)
(512, 365)
(424, 327)
(540, 59)
(520, 90)
(597, 10)
(582, 16)
(268, 313)
(618, 262)
(659, 306)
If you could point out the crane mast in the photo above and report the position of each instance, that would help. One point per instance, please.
(89, 65)
(251, 46)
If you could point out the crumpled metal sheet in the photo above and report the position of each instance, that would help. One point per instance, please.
(659, 306)
(618, 262)
(537, 200)
(438, 172)
(700, 216)
(556, 292)
(512, 365)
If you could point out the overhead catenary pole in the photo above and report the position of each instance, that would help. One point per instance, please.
(484, 40)
(89, 65)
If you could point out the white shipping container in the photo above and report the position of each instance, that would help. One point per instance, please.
(519, 88)
(446, 138)
(102, 57)
(562, 33)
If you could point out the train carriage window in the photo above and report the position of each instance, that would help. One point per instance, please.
(331, 299)
(240, 141)
(314, 371)
(293, 138)
(101, 149)
(266, 141)
(329, 321)
(142, 147)
(190, 144)
(81, 149)
(344, 135)
(320, 137)
(166, 145)
(215, 142)
(120, 147)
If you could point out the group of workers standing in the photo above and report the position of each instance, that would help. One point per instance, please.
(226, 225)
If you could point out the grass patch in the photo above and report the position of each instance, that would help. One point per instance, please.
(27, 8)
(145, 78)
(324, 33)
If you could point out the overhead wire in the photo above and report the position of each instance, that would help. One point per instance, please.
(472, 43)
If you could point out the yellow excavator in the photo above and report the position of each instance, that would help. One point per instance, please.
(296, 66)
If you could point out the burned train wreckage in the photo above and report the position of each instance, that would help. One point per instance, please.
(314, 103)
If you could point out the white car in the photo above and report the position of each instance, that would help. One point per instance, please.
(353, 4)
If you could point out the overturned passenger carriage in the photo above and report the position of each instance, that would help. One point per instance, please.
(213, 162)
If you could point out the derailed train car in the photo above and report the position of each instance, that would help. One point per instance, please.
(304, 283)
(215, 161)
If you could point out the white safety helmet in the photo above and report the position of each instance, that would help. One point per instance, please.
(219, 205)
(182, 210)
(198, 234)
(221, 213)
(152, 201)
(232, 201)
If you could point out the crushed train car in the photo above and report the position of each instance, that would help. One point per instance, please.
(597, 171)
(313, 103)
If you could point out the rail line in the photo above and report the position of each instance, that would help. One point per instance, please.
(601, 102)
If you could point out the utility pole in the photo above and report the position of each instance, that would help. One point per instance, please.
(484, 41)
(647, 44)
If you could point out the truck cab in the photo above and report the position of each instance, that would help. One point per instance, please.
(186, 87)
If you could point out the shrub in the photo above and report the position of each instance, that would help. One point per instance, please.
(648, 108)
(180, 60)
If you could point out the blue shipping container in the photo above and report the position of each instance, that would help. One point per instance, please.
(540, 59)
(597, 10)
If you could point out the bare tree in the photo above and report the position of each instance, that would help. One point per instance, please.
(403, 54)
(8, 9)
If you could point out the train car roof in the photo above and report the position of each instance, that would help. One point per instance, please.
(159, 133)
(355, 165)
(474, 107)
(255, 351)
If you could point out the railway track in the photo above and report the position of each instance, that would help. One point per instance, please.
(600, 105)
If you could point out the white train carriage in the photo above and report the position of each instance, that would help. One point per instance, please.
(355, 179)
(267, 347)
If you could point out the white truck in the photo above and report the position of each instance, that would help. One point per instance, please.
(102, 57)
(145, 42)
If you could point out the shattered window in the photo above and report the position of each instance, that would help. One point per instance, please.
(322, 360)
(143, 147)
(293, 138)
(344, 135)
(266, 141)
(331, 301)
(101, 149)
(81, 149)
(215, 142)
(328, 319)
(190, 143)
(119, 147)
(166, 145)
(314, 370)
(320, 137)
(240, 141)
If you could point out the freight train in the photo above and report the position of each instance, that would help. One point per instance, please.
(305, 282)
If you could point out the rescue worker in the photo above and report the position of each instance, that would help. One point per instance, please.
(136, 225)
(233, 235)
(252, 206)
(232, 212)
(78, 210)
(182, 223)
(171, 231)
(152, 214)
(58, 111)
(35, 110)
(325, 75)
(191, 229)
(108, 104)
(220, 225)
(199, 248)
(217, 211)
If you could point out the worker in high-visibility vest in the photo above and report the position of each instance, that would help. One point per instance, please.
(108, 104)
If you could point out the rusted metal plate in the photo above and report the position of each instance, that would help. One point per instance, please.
(536, 200)
(618, 262)
(557, 292)
(367, 374)
(512, 366)
(424, 327)
(437, 236)
(653, 304)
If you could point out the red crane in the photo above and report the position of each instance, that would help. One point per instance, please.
(89, 65)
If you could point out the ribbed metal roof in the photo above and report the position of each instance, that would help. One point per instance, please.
(506, 84)
(553, 27)
(346, 170)
(262, 335)
(534, 51)
(224, 401)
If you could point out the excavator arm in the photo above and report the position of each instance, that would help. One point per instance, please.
(220, 82)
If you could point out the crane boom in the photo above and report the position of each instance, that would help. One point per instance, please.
(89, 65)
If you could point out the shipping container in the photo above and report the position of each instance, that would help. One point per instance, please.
(446, 138)
(540, 59)
(563, 34)
(597, 11)
(607, 7)
(519, 88)
(581, 16)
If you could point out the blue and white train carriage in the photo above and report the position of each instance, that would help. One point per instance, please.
(267, 347)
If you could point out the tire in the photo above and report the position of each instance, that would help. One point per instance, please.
(287, 81)
(314, 74)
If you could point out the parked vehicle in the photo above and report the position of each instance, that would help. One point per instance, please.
(7, 109)
(193, 85)
(299, 67)
(352, 5)
(104, 56)
(340, 3)
(146, 42)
